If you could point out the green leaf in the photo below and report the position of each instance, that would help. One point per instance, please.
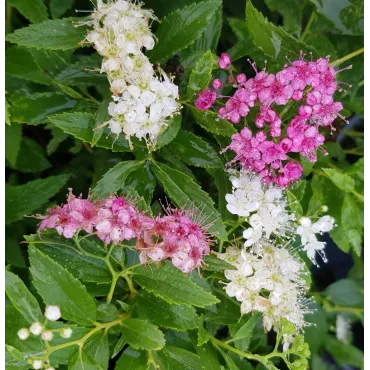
(58, 137)
(140, 334)
(22, 298)
(184, 192)
(273, 41)
(7, 113)
(229, 361)
(245, 332)
(203, 334)
(174, 125)
(101, 118)
(317, 200)
(341, 180)
(177, 358)
(118, 347)
(294, 204)
(357, 169)
(13, 138)
(211, 122)
(58, 287)
(161, 313)
(85, 268)
(81, 361)
(181, 28)
(37, 107)
(346, 16)
(355, 237)
(59, 34)
(115, 178)
(97, 348)
(345, 292)
(83, 73)
(133, 196)
(81, 126)
(142, 180)
(132, 360)
(201, 74)
(58, 8)
(34, 11)
(23, 199)
(172, 286)
(344, 353)
(291, 11)
(351, 215)
(194, 151)
(31, 157)
(212, 263)
(19, 63)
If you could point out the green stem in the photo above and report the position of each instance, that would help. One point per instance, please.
(219, 343)
(309, 23)
(238, 223)
(347, 57)
(358, 195)
(354, 152)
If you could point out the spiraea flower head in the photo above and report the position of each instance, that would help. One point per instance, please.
(269, 282)
(52, 313)
(178, 236)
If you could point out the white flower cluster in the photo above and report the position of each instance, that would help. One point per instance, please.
(266, 209)
(143, 100)
(52, 313)
(270, 283)
(342, 328)
(308, 230)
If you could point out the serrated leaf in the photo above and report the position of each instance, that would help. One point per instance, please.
(203, 334)
(345, 292)
(35, 10)
(119, 346)
(291, 11)
(37, 107)
(97, 348)
(23, 199)
(294, 204)
(31, 157)
(184, 192)
(58, 8)
(83, 72)
(355, 237)
(22, 298)
(211, 122)
(172, 286)
(59, 34)
(181, 28)
(341, 180)
(101, 118)
(272, 40)
(81, 126)
(132, 360)
(140, 334)
(177, 358)
(174, 125)
(85, 268)
(194, 151)
(357, 169)
(212, 263)
(200, 75)
(229, 361)
(114, 179)
(81, 361)
(142, 180)
(13, 138)
(351, 215)
(245, 332)
(58, 287)
(58, 137)
(19, 63)
(161, 313)
(133, 196)
(346, 16)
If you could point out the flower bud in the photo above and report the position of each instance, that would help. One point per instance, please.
(37, 364)
(23, 334)
(66, 333)
(36, 328)
(52, 313)
(47, 336)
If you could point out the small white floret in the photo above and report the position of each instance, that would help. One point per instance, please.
(52, 313)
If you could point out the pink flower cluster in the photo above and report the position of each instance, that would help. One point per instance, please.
(312, 82)
(175, 236)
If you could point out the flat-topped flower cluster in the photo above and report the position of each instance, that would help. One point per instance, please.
(143, 98)
(178, 235)
(311, 82)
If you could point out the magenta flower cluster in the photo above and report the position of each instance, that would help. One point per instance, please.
(176, 236)
(312, 82)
